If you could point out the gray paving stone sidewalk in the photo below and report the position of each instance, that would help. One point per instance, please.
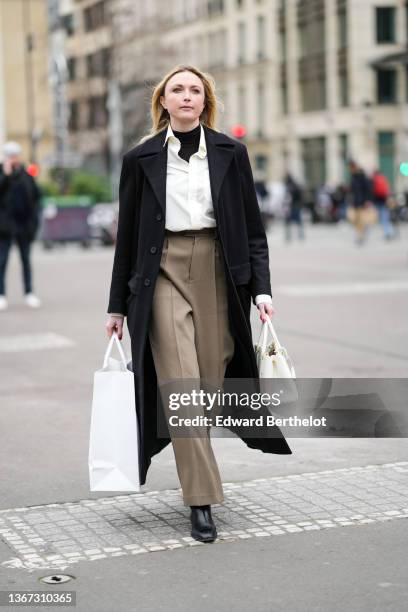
(56, 536)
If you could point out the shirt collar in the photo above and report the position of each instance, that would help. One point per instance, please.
(202, 147)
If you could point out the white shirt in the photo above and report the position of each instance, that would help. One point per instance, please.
(188, 192)
(189, 202)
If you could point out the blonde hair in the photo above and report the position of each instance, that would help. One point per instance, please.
(160, 116)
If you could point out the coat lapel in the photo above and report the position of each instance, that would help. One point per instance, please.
(153, 158)
(220, 151)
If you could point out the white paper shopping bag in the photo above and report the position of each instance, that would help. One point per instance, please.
(113, 444)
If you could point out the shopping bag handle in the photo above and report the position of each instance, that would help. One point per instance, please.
(114, 338)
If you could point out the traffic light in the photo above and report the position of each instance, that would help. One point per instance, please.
(404, 168)
(238, 130)
(33, 170)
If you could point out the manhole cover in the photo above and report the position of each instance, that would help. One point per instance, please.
(56, 578)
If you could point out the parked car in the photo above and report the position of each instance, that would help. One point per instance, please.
(103, 222)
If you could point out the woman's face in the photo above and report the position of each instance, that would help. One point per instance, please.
(184, 98)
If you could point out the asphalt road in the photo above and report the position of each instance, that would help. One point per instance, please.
(340, 312)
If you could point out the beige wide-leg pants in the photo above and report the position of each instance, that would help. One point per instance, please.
(190, 339)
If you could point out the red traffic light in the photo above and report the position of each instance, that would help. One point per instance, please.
(33, 170)
(238, 130)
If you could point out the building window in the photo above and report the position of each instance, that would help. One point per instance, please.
(260, 33)
(71, 65)
(312, 61)
(241, 42)
(386, 154)
(283, 54)
(284, 99)
(342, 29)
(215, 6)
(95, 16)
(314, 161)
(343, 88)
(73, 121)
(342, 53)
(98, 64)
(385, 24)
(344, 157)
(406, 19)
(386, 85)
(261, 162)
(67, 22)
(313, 87)
(283, 39)
(311, 29)
(97, 112)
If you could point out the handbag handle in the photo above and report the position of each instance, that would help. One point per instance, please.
(264, 334)
(273, 333)
(263, 339)
(279, 346)
(114, 338)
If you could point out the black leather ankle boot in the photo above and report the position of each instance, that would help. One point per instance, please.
(202, 524)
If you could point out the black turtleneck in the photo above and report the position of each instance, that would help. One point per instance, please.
(190, 142)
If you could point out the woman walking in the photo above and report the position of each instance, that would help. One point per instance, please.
(191, 252)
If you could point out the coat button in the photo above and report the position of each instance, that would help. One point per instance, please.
(147, 282)
(153, 249)
(159, 216)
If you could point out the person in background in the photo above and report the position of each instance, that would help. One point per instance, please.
(381, 193)
(294, 204)
(19, 219)
(339, 200)
(324, 202)
(262, 195)
(360, 198)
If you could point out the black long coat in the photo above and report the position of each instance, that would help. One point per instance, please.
(140, 237)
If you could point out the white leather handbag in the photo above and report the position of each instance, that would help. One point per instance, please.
(273, 361)
(272, 358)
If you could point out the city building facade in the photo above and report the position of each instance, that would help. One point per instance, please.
(313, 82)
(25, 97)
(88, 49)
(343, 88)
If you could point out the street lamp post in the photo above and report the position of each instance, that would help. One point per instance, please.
(34, 134)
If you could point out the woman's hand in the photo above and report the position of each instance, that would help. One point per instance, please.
(265, 308)
(115, 324)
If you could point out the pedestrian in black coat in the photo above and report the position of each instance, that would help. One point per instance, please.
(19, 219)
